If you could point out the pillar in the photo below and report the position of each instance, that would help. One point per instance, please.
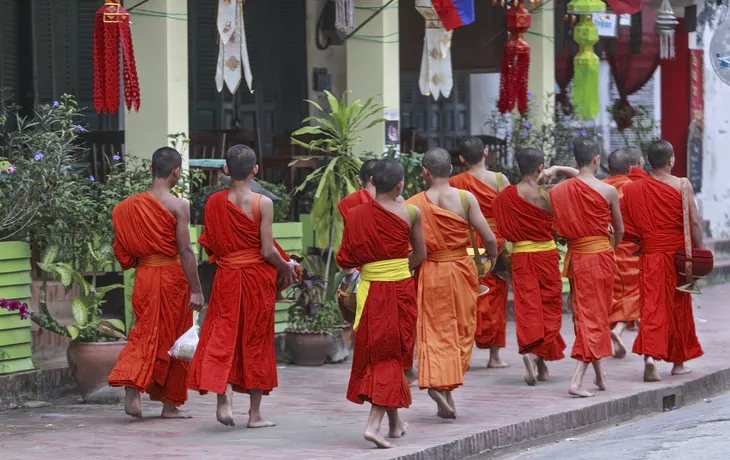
(541, 83)
(161, 51)
(373, 68)
(484, 93)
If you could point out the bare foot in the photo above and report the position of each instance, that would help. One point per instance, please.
(444, 410)
(650, 374)
(411, 375)
(398, 430)
(619, 350)
(543, 374)
(171, 412)
(530, 378)
(579, 391)
(224, 411)
(600, 381)
(681, 369)
(496, 364)
(450, 401)
(132, 404)
(377, 439)
(260, 423)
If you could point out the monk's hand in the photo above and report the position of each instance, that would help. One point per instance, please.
(196, 301)
(492, 263)
(288, 274)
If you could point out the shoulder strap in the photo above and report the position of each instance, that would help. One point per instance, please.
(687, 230)
(411, 213)
(256, 211)
(544, 193)
(477, 255)
(500, 182)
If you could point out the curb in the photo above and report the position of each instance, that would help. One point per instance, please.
(35, 385)
(622, 409)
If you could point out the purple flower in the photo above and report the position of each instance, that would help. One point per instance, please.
(525, 133)
(12, 169)
(56, 104)
(91, 178)
(582, 133)
(38, 156)
(4, 303)
(116, 158)
(14, 305)
(80, 129)
(600, 130)
(529, 94)
(527, 125)
(591, 124)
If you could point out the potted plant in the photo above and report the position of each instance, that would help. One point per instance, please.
(311, 321)
(95, 341)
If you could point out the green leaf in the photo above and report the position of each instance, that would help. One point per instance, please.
(49, 256)
(102, 291)
(46, 267)
(82, 283)
(80, 312)
(315, 104)
(119, 324)
(307, 130)
(65, 272)
(73, 331)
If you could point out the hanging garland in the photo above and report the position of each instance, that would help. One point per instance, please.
(515, 60)
(111, 24)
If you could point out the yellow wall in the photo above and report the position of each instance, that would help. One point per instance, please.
(542, 59)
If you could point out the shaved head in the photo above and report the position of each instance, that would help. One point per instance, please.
(659, 154)
(635, 156)
(437, 162)
(164, 161)
(387, 174)
(240, 160)
(471, 150)
(529, 159)
(619, 162)
(585, 150)
(366, 171)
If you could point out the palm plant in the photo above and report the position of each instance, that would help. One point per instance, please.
(333, 137)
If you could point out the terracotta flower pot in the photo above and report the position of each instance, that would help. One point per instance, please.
(307, 349)
(91, 364)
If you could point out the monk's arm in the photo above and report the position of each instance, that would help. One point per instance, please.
(187, 255)
(617, 221)
(694, 218)
(547, 175)
(418, 243)
(481, 226)
(287, 271)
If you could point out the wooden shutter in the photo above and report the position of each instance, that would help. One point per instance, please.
(292, 56)
(204, 100)
(9, 68)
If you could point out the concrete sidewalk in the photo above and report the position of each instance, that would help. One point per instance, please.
(495, 409)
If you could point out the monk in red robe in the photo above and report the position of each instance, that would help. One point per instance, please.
(654, 210)
(585, 209)
(152, 235)
(236, 350)
(524, 217)
(637, 164)
(378, 238)
(626, 302)
(491, 329)
(447, 282)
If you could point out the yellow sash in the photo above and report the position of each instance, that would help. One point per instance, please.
(586, 245)
(384, 270)
(533, 246)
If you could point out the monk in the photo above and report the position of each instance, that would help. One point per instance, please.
(491, 329)
(366, 194)
(378, 238)
(236, 349)
(525, 218)
(626, 302)
(637, 164)
(585, 208)
(654, 210)
(447, 282)
(152, 236)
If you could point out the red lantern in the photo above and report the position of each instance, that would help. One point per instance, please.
(112, 24)
(515, 61)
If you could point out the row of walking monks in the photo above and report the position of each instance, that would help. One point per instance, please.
(418, 294)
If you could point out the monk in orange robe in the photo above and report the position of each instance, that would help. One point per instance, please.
(378, 238)
(637, 164)
(152, 235)
(491, 330)
(654, 210)
(585, 208)
(626, 302)
(447, 282)
(236, 349)
(524, 217)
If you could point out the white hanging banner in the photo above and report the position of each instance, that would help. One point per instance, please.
(436, 78)
(232, 48)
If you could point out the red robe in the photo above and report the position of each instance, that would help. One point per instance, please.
(386, 333)
(626, 302)
(638, 174)
(583, 216)
(536, 282)
(353, 200)
(145, 238)
(492, 307)
(667, 329)
(237, 341)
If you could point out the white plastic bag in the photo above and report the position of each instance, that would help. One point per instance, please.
(184, 347)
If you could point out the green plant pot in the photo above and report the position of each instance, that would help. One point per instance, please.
(15, 282)
(289, 236)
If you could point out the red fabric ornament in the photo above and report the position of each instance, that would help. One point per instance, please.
(110, 25)
(515, 61)
(625, 6)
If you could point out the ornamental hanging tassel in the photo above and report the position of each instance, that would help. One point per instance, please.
(515, 61)
(345, 15)
(586, 98)
(436, 78)
(232, 47)
(664, 28)
(111, 23)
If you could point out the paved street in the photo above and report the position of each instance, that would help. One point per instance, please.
(696, 432)
(316, 422)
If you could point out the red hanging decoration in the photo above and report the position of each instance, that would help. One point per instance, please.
(112, 24)
(515, 61)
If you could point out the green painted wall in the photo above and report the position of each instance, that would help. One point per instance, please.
(15, 339)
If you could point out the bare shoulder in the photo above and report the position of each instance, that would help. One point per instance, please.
(265, 201)
(177, 206)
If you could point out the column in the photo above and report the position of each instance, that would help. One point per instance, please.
(373, 68)
(542, 59)
(161, 51)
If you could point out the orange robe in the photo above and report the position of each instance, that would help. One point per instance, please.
(638, 174)
(446, 286)
(583, 217)
(237, 341)
(353, 200)
(536, 282)
(385, 336)
(145, 238)
(667, 329)
(492, 307)
(626, 302)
